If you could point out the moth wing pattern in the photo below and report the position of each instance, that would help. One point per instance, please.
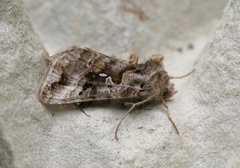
(81, 74)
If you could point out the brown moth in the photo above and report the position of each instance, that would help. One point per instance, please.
(82, 74)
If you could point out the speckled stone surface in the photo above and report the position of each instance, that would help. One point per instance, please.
(188, 34)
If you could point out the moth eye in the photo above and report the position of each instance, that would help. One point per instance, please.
(109, 86)
(80, 93)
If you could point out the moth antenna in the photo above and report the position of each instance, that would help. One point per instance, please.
(126, 114)
(183, 76)
(169, 117)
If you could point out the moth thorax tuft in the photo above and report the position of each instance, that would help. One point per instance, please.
(133, 60)
(157, 58)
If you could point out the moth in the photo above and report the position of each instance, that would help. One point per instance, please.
(81, 75)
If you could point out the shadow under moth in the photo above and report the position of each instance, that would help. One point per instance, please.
(81, 74)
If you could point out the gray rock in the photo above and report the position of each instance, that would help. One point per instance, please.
(24, 123)
(206, 108)
(6, 156)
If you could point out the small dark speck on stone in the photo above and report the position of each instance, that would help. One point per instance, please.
(180, 49)
(190, 46)
(151, 131)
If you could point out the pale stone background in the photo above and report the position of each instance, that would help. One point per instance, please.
(190, 33)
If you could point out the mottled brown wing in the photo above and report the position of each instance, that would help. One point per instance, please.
(80, 75)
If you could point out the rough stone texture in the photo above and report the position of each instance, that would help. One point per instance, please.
(206, 109)
(24, 123)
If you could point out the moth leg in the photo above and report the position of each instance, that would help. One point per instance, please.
(128, 104)
(84, 112)
(80, 107)
(169, 117)
(126, 114)
(183, 76)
